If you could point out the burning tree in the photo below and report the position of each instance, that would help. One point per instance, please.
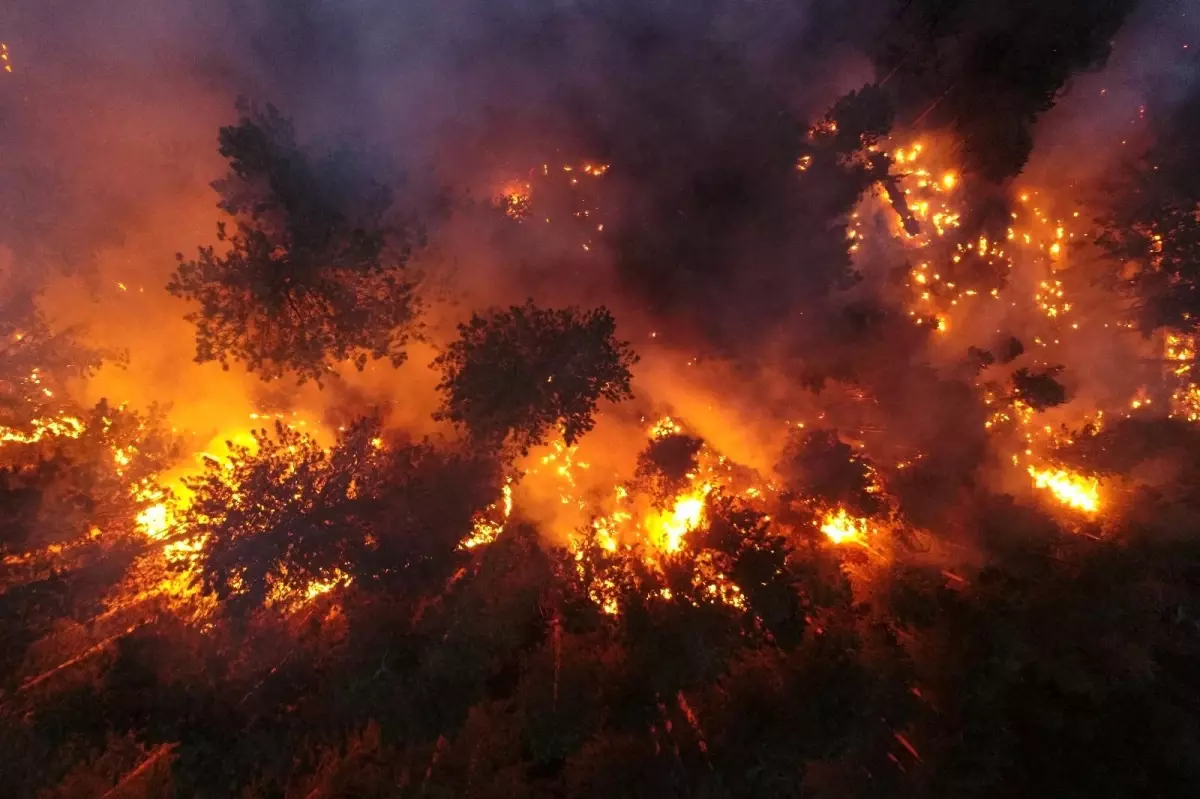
(287, 520)
(668, 464)
(514, 375)
(314, 272)
(66, 468)
(819, 465)
(387, 616)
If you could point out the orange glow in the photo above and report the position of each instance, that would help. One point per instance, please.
(1075, 491)
(487, 527)
(667, 529)
(840, 527)
(62, 426)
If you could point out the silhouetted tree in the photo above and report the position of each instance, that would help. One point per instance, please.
(288, 513)
(1039, 390)
(312, 275)
(989, 70)
(667, 462)
(817, 464)
(514, 375)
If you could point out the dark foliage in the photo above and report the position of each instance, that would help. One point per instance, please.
(312, 275)
(818, 464)
(1153, 227)
(515, 375)
(989, 70)
(1039, 390)
(290, 513)
(666, 463)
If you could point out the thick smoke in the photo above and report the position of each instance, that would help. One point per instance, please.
(726, 270)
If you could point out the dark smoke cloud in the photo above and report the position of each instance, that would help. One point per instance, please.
(110, 119)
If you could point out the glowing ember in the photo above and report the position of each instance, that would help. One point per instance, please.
(665, 427)
(840, 527)
(1074, 491)
(514, 197)
(318, 587)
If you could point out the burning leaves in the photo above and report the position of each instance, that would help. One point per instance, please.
(263, 515)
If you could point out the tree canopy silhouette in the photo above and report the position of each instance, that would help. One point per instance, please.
(514, 375)
(313, 273)
(288, 514)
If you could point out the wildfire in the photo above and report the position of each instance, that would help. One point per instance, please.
(664, 427)
(840, 527)
(1049, 299)
(1179, 352)
(54, 427)
(284, 596)
(1073, 490)
(318, 587)
(155, 520)
(515, 197)
(666, 529)
(486, 530)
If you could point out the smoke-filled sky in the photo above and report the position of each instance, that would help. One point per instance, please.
(715, 259)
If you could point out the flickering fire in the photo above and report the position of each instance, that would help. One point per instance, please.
(1073, 490)
(489, 526)
(950, 273)
(53, 427)
(840, 527)
(667, 529)
(318, 587)
(155, 521)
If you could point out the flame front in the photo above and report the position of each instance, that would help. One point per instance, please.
(668, 528)
(1073, 490)
(840, 527)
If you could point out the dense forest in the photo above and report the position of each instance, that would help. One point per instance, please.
(600, 399)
